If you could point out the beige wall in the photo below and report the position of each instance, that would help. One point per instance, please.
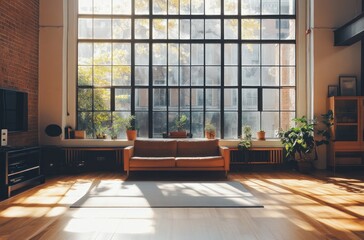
(329, 61)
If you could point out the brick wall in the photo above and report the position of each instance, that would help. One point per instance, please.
(19, 36)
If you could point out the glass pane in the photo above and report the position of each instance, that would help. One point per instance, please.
(196, 124)
(270, 29)
(270, 99)
(288, 54)
(288, 7)
(270, 124)
(141, 6)
(270, 76)
(159, 54)
(197, 7)
(102, 6)
(84, 122)
(250, 54)
(84, 99)
(173, 50)
(122, 99)
(185, 76)
(121, 7)
(288, 29)
(173, 99)
(249, 99)
(230, 7)
(142, 124)
(270, 7)
(230, 125)
(213, 54)
(213, 76)
(231, 54)
(121, 75)
(85, 53)
(141, 54)
(102, 75)
(84, 28)
(102, 53)
(250, 29)
(141, 76)
(159, 28)
(159, 123)
(270, 54)
(252, 119)
(250, 76)
(116, 116)
(159, 99)
(212, 99)
(288, 99)
(230, 76)
(121, 29)
(102, 28)
(173, 25)
(184, 7)
(84, 7)
(101, 99)
(184, 54)
(141, 28)
(286, 120)
(173, 7)
(159, 7)
(249, 7)
(173, 76)
(184, 31)
(212, 7)
(84, 76)
(197, 28)
(197, 54)
(288, 76)
(102, 121)
(121, 54)
(230, 29)
(197, 99)
(197, 76)
(230, 99)
(212, 29)
(215, 119)
(184, 99)
(141, 99)
(159, 76)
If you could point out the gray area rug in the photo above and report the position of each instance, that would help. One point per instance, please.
(142, 194)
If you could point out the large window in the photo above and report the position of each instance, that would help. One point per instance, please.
(230, 62)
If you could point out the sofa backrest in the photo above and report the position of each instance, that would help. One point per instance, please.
(198, 148)
(155, 148)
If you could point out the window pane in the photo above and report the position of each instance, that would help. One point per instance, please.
(121, 7)
(250, 54)
(173, 76)
(197, 124)
(159, 54)
(102, 121)
(159, 76)
(249, 7)
(213, 76)
(121, 54)
(231, 54)
(270, 28)
(215, 119)
(173, 7)
(250, 29)
(184, 31)
(102, 6)
(84, 28)
(288, 54)
(159, 123)
(270, 124)
(159, 99)
(102, 76)
(85, 53)
(249, 99)
(197, 99)
(250, 76)
(141, 28)
(184, 54)
(231, 76)
(84, 7)
(288, 76)
(85, 122)
(288, 29)
(84, 99)
(212, 29)
(102, 28)
(173, 25)
(197, 76)
(230, 125)
(288, 7)
(270, 76)
(185, 7)
(197, 28)
(159, 7)
(270, 99)
(213, 7)
(288, 99)
(197, 54)
(84, 76)
(141, 76)
(121, 75)
(230, 7)
(173, 99)
(270, 7)
(173, 50)
(252, 119)
(213, 54)
(159, 28)
(213, 99)
(231, 99)
(197, 6)
(141, 54)
(122, 99)
(270, 54)
(230, 28)
(102, 53)
(102, 99)
(121, 29)
(286, 120)
(184, 99)
(185, 76)
(141, 99)
(142, 124)
(141, 6)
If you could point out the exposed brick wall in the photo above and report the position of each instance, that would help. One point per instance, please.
(19, 37)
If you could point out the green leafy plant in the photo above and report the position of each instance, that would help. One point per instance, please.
(247, 132)
(244, 144)
(324, 132)
(246, 139)
(209, 127)
(180, 122)
(127, 123)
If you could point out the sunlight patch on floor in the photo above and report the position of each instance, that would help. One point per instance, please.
(19, 212)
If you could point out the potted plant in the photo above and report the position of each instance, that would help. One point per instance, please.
(246, 139)
(210, 130)
(128, 123)
(100, 132)
(179, 126)
(261, 135)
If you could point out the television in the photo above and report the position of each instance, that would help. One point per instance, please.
(13, 110)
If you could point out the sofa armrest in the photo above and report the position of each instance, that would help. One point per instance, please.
(127, 154)
(225, 153)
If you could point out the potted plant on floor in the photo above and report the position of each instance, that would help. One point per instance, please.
(179, 126)
(210, 130)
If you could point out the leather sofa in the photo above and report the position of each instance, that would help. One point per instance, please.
(176, 155)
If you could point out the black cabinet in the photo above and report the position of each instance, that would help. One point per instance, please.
(19, 167)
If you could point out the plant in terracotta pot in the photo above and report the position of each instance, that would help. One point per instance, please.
(179, 127)
(210, 130)
(261, 135)
(128, 123)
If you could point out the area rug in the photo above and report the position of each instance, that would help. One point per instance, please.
(142, 194)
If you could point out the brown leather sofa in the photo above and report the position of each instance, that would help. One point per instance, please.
(176, 155)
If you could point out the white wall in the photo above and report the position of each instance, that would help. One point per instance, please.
(329, 61)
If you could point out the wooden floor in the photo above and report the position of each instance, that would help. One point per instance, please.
(296, 206)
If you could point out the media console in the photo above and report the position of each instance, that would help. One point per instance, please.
(19, 167)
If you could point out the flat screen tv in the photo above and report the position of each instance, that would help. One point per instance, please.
(13, 110)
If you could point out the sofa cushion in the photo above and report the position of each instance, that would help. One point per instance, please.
(213, 161)
(190, 148)
(152, 162)
(155, 148)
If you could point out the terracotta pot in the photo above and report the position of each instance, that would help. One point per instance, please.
(178, 134)
(131, 134)
(261, 135)
(210, 135)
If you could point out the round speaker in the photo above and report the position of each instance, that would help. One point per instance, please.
(53, 130)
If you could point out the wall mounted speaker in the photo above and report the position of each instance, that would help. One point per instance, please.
(4, 137)
(53, 130)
